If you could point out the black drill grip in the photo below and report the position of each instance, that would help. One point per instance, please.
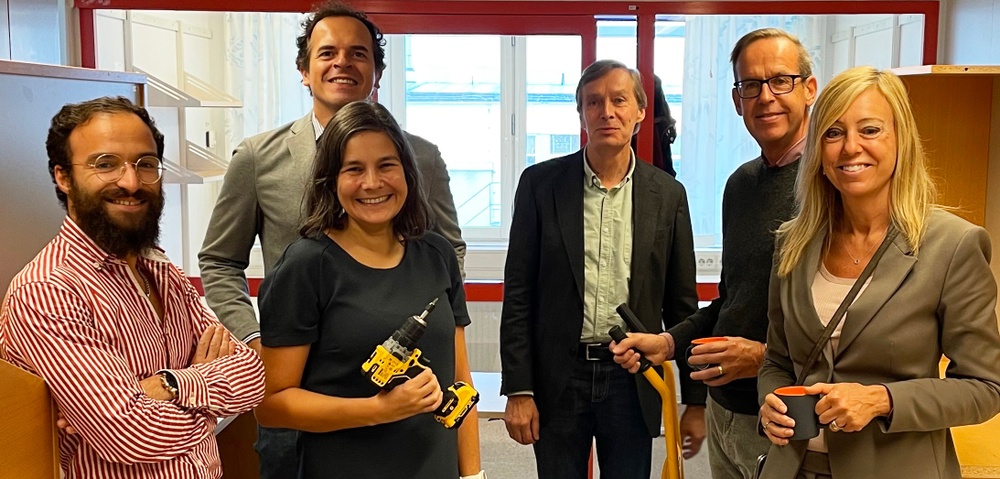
(618, 335)
(630, 319)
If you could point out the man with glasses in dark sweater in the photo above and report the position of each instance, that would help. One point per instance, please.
(773, 91)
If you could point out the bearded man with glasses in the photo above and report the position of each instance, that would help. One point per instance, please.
(773, 91)
(140, 370)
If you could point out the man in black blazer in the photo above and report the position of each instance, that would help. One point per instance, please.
(590, 231)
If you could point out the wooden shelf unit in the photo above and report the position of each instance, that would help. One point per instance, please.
(957, 110)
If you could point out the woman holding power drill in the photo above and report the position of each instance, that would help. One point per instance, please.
(366, 261)
(864, 192)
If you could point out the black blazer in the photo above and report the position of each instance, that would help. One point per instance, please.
(542, 315)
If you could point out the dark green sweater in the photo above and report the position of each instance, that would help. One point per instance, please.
(757, 200)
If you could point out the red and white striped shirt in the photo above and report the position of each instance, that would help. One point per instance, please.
(76, 317)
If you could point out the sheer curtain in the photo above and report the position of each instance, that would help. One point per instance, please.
(260, 70)
(715, 139)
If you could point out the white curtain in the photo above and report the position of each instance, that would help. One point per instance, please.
(261, 71)
(715, 138)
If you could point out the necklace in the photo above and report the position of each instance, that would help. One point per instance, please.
(867, 253)
(145, 283)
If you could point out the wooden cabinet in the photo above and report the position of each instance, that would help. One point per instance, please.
(957, 109)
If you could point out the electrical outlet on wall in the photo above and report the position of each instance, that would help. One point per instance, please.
(708, 262)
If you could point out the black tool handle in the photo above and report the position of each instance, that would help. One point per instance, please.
(618, 335)
(630, 319)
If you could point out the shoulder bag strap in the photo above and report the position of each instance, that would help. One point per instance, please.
(838, 316)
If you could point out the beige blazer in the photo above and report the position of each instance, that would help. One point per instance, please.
(916, 308)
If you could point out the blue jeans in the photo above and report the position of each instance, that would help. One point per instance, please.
(276, 449)
(600, 402)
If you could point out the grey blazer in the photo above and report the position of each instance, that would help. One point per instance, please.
(262, 195)
(916, 308)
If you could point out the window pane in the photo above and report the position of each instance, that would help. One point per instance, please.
(553, 70)
(453, 100)
(616, 40)
(713, 140)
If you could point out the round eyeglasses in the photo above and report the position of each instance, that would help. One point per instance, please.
(779, 85)
(111, 168)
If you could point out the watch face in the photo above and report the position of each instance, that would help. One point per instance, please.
(171, 380)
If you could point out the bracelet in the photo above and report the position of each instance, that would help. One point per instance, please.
(480, 475)
(169, 387)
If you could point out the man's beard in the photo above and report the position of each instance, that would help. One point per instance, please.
(137, 235)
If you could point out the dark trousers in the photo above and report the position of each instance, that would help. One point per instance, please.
(816, 465)
(276, 449)
(600, 402)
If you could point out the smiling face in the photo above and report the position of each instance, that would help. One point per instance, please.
(371, 184)
(859, 149)
(341, 65)
(122, 217)
(776, 121)
(610, 110)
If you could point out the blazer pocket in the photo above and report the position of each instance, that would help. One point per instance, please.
(663, 232)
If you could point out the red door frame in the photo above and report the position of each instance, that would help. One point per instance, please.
(534, 17)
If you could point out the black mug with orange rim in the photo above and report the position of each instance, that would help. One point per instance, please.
(802, 409)
(698, 342)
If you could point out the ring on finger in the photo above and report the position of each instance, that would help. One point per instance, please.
(835, 427)
(720, 370)
(768, 423)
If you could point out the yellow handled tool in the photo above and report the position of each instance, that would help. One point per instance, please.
(673, 466)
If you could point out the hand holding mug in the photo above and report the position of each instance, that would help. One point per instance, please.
(849, 407)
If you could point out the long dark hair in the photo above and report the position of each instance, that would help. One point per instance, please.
(325, 210)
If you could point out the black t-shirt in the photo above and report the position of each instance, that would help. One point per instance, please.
(319, 295)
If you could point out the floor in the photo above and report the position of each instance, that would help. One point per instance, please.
(505, 459)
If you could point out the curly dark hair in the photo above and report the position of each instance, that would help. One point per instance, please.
(337, 9)
(323, 206)
(72, 115)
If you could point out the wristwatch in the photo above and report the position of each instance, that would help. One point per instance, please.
(170, 384)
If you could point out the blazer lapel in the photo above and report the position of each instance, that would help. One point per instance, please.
(646, 204)
(890, 272)
(568, 200)
(804, 308)
(801, 290)
(302, 141)
(301, 144)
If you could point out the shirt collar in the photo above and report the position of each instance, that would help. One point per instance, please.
(590, 178)
(791, 156)
(317, 127)
(93, 254)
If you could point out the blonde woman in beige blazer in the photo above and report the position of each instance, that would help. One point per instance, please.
(884, 408)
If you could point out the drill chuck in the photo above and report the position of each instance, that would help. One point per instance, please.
(402, 342)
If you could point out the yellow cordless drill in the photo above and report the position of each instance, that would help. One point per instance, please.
(397, 360)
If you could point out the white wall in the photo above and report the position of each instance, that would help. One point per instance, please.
(883, 41)
(971, 32)
(4, 31)
(33, 31)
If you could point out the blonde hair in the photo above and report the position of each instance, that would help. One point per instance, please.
(911, 189)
